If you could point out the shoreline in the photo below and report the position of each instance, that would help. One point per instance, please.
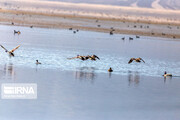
(83, 18)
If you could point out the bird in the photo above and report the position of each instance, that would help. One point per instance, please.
(11, 53)
(17, 32)
(123, 38)
(136, 59)
(37, 62)
(130, 38)
(95, 56)
(167, 75)
(78, 57)
(111, 32)
(110, 70)
(137, 36)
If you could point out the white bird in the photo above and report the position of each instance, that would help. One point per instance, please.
(11, 53)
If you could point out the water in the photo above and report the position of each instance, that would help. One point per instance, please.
(53, 47)
(84, 90)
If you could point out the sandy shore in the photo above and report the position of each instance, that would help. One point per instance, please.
(125, 20)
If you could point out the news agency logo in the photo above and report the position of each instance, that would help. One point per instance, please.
(19, 91)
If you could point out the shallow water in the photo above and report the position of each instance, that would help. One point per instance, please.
(52, 47)
(84, 90)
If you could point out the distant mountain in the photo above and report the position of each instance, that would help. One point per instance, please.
(157, 4)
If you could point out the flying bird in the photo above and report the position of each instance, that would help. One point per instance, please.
(11, 53)
(78, 57)
(136, 59)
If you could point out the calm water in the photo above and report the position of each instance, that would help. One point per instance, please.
(83, 90)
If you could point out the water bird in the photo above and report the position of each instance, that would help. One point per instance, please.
(70, 28)
(17, 32)
(74, 32)
(11, 53)
(37, 62)
(130, 38)
(12, 23)
(167, 75)
(31, 26)
(93, 57)
(136, 59)
(137, 36)
(110, 70)
(78, 57)
(123, 38)
(99, 25)
(111, 32)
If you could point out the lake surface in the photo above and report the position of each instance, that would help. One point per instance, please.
(84, 90)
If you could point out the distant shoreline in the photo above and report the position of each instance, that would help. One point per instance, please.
(125, 20)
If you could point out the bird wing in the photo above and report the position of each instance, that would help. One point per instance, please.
(142, 60)
(72, 58)
(130, 61)
(15, 48)
(4, 48)
(96, 57)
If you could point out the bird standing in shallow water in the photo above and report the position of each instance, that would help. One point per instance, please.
(110, 70)
(11, 53)
(136, 59)
(17, 32)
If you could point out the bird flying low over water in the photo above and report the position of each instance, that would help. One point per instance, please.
(92, 57)
(11, 53)
(167, 75)
(136, 59)
(77, 57)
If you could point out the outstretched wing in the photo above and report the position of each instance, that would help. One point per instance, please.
(142, 60)
(15, 48)
(4, 48)
(130, 61)
(73, 58)
(96, 57)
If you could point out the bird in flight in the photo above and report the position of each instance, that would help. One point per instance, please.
(136, 60)
(11, 52)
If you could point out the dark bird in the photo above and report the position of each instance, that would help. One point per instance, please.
(11, 53)
(123, 38)
(136, 59)
(137, 36)
(130, 38)
(17, 32)
(111, 32)
(70, 28)
(74, 32)
(110, 70)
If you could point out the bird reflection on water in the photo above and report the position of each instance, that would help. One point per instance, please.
(9, 72)
(133, 78)
(85, 73)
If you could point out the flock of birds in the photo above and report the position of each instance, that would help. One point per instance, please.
(95, 57)
(83, 58)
